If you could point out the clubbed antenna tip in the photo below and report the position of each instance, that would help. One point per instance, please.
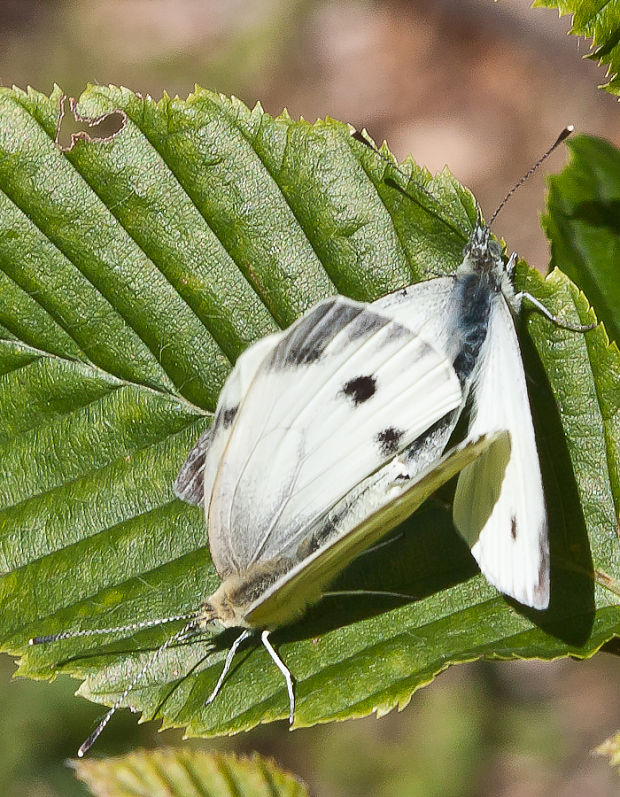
(39, 640)
(562, 137)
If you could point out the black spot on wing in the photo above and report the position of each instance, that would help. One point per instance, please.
(389, 440)
(228, 416)
(189, 484)
(360, 389)
(513, 527)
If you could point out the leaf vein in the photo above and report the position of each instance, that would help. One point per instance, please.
(31, 295)
(92, 471)
(195, 205)
(107, 376)
(158, 266)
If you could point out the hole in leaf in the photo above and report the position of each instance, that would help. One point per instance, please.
(73, 127)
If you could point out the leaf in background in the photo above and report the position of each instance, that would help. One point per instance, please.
(610, 748)
(133, 272)
(186, 773)
(597, 20)
(583, 225)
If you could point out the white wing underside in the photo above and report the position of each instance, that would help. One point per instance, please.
(307, 432)
(372, 509)
(286, 467)
(505, 522)
(424, 308)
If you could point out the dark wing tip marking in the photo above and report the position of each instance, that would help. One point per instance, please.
(189, 484)
(308, 339)
(389, 440)
(360, 389)
(513, 527)
(228, 416)
(329, 327)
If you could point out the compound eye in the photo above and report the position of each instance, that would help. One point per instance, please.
(495, 249)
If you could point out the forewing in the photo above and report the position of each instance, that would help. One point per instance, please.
(342, 392)
(417, 307)
(425, 308)
(191, 485)
(504, 520)
(379, 504)
(431, 309)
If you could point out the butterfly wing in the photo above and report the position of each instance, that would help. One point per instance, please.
(342, 391)
(191, 485)
(378, 505)
(504, 520)
(429, 308)
(417, 307)
(422, 308)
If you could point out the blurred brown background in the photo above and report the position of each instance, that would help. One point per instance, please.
(484, 87)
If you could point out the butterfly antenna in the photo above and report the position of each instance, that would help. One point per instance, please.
(40, 640)
(562, 137)
(150, 662)
(442, 211)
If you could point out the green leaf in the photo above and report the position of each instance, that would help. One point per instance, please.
(583, 225)
(134, 270)
(186, 773)
(598, 20)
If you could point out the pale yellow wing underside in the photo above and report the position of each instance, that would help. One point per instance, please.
(304, 583)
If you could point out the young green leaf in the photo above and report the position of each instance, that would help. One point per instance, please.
(610, 748)
(186, 773)
(599, 22)
(134, 271)
(583, 225)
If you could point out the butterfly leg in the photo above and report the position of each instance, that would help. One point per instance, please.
(379, 545)
(231, 654)
(285, 672)
(553, 318)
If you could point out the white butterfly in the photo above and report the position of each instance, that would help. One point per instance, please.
(312, 443)
(319, 427)
(309, 460)
(330, 433)
(326, 432)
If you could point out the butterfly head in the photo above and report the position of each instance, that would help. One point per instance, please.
(227, 606)
(482, 254)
